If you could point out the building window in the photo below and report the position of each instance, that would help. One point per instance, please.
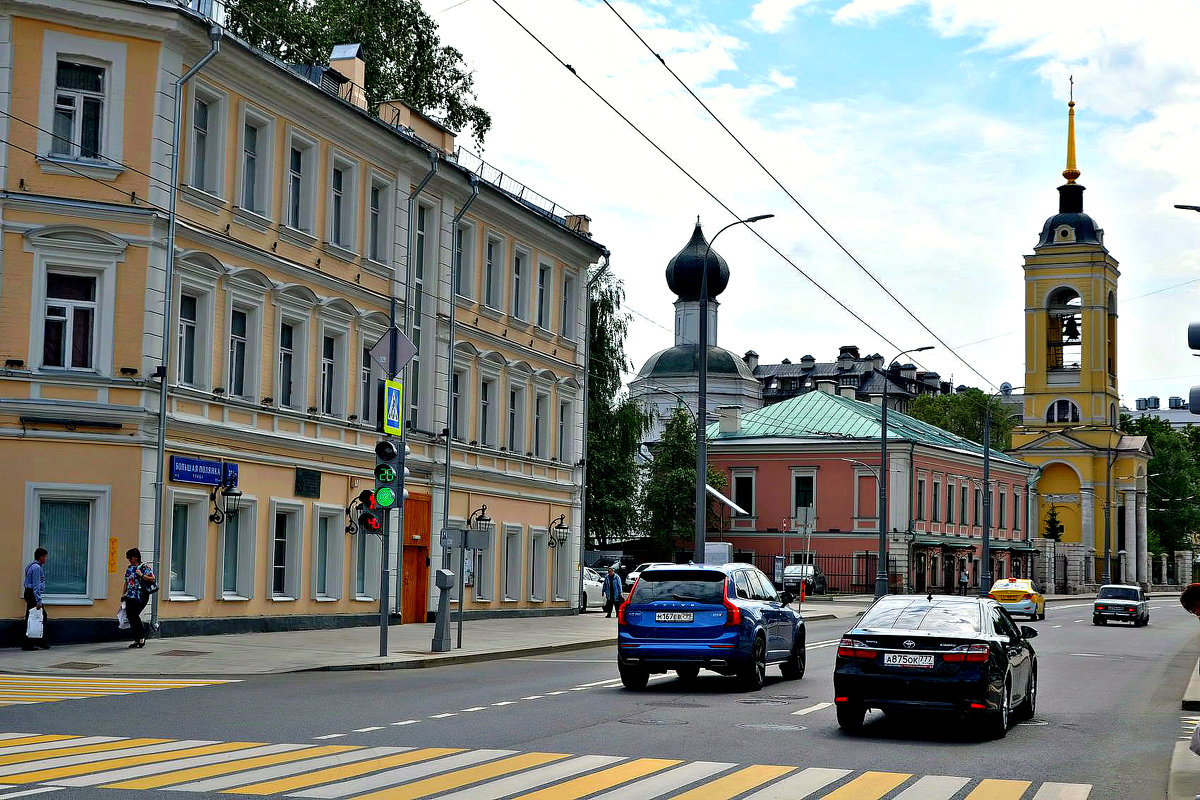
(285, 554)
(519, 304)
(936, 502)
(962, 505)
(457, 383)
(543, 295)
(491, 288)
(250, 178)
(71, 321)
(1002, 508)
(328, 546)
(287, 359)
(200, 115)
(537, 566)
(300, 185)
(978, 507)
(189, 534)
(487, 425)
(418, 318)
(377, 223)
(920, 498)
(238, 330)
(1062, 411)
(464, 260)
(360, 566)
(333, 385)
(541, 425)
(341, 204)
(188, 310)
(803, 491)
(568, 307)
(562, 574)
(743, 493)
(1064, 327)
(512, 563)
(78, 110)
(565, 430)
(516, 419)
(366, 385)
(179, 547)
(1016, 511)
(64, 529)
(484, 572)
(949, 504)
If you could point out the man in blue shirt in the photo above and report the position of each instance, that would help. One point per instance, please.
(34, 587)
(611, 592)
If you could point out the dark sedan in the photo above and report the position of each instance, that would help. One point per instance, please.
(958, 655)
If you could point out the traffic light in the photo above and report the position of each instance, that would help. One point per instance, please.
(390, 473)
(370, 515)
(1194, 344)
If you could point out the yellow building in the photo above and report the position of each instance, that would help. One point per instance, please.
(294, 230)
(1092, 476)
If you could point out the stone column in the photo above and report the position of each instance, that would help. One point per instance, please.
(1143, 556)
(1122, 566)
(1162, 559)
(1133, 538)
(1087, 510)
(1183, 567)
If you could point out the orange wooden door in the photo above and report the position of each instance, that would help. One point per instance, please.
(414, 566)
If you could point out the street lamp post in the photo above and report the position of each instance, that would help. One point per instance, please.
(881, 577)
(702, 400)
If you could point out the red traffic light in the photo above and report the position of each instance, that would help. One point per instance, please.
(369, 522)
(367, 498)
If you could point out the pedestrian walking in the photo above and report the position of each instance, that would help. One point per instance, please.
(612, 592)
(33, 587)
(140, 583)
(962, 580)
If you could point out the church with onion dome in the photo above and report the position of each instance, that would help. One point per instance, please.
(668, 379)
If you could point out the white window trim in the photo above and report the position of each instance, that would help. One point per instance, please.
(252, 303)
(111, 55)
(752, 474)
(247, 548)
(293, 579)
(493, 421)
(485, 571)
(496, 301)
(339, 329)
(368, 335)
(859, 474)
(541, 428)
(194, 577)
(100, 526)
(560, 570)
(265, 161)
(205, 294)
(70, 258)
(539, 565)
(547, 322)
(515, 530)
(518, 306)
(516, 440)
(374, 552)
(298, 318)
(386, 204)
(811, 472)
(334, 554)
(213, 181)
(569, 326)
(566, 443)
(468, 561)
(467, 268)
(463, 404)
(310, 159)
(350, 203)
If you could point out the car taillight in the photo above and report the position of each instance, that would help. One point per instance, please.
(733, 614)
(852, 648)
(621, 608)
(1027, 596)
(1101, 608)
(971, 654)
(991, 596)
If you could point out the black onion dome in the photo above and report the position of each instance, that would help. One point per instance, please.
(1083, 229)
(684, 359)
(684, 272)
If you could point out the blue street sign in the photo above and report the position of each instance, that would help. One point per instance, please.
(393, 408)
(187, 469)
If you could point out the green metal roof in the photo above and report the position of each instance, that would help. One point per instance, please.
(820, 414)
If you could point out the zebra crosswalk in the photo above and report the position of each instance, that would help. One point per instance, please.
(32, 763)
(25, 689)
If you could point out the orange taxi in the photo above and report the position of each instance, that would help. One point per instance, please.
(1018, 596)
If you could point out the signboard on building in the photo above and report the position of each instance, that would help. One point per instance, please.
(393, 408)
(308, 482)
(187, 469)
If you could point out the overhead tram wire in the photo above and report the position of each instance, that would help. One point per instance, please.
(796, 201)
(695, 180)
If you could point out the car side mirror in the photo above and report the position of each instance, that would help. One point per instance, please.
(786, 598)
(1028, 632)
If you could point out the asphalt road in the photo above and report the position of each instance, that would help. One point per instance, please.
(1108, 712)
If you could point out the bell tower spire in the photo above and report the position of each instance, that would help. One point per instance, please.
(1071, 172)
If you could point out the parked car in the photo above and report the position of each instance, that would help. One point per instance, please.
(958, 655)
(728, 619)
(1122, 603)
(592, 593)
(808, 574)
(632, 577)
(1018, 596)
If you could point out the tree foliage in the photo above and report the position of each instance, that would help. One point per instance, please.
(1173, 484)
(616, 424)
(669, 490)
(963, 414)
(404, 56)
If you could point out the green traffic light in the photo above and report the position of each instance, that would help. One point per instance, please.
(385, 497)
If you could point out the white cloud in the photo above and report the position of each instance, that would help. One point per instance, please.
(870, 11)
(782, 81)
(773, 16)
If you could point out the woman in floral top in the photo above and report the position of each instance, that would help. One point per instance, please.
(137, 577)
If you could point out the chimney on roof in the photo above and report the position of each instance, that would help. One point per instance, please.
(751, 359)
(1152, 402)
(580, 223)
(848, 350)
(826, 385)
(1175, 402)
(730, 418)
(847, 390)
(807, 362)
(347, 59)
(1140, 404)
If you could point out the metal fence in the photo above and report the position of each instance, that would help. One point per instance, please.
(844, 574)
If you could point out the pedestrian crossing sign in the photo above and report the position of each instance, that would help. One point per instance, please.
(393, 408)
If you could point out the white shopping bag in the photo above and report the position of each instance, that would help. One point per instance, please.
(122, 618)
(34, 627)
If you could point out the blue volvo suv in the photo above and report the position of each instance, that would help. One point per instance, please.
(728, 619)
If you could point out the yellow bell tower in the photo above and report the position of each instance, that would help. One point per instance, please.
(1092, 476)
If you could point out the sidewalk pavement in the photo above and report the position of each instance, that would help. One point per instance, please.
(338, 648)
(1184, 780)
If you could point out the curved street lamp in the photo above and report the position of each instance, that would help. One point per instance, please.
(702, 400)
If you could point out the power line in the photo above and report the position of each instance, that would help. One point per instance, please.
(795, 200)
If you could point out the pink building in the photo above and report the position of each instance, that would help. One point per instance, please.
(820, 451)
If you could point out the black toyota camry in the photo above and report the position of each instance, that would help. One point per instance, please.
(960, 655)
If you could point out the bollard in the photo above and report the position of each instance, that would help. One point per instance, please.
(444, 580)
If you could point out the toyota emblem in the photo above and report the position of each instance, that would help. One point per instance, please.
(910, 644)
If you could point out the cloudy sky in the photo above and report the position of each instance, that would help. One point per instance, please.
(929, 136)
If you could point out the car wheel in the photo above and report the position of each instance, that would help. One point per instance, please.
(998, 726)
(1029, 704)
(793, 668)
(634, 678)
(687, 673)
(1098, 621)
(850, 716)
(754, 675)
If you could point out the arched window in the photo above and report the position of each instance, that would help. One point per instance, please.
(1062, 411)
(1064, 330)
(1111, 339)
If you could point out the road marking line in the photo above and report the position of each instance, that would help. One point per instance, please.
(736, 783)
(869, 786)
(51, 759)
(1090, 655)
(1056, 626)
(237, 763)
(142, 770)
(473, 708)
(531, 697)
(1078, 620)
(605, 779)
(62, 747)
(524, 781)
(580, 689)
(285, 770)
(514, 702)
(392, 777)
(332, 736)
(343, 772)
(10, 745)
(443, 715)
(40, 790)
(439, 783)
(1063, 791)
(595, 683)
(80, 765)
(368, 730)
(664, 782)
(996, 789)
(407, 722)
(934, 787)
(550, 694)
(800, 785)
(811, 709)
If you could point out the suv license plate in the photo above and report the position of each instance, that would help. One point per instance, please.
(673, 616)
(908, 660)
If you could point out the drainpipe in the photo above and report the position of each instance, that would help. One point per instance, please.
(454, 269)
(587, 382)
(912, 467)
(408, 272)
(214, 35)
